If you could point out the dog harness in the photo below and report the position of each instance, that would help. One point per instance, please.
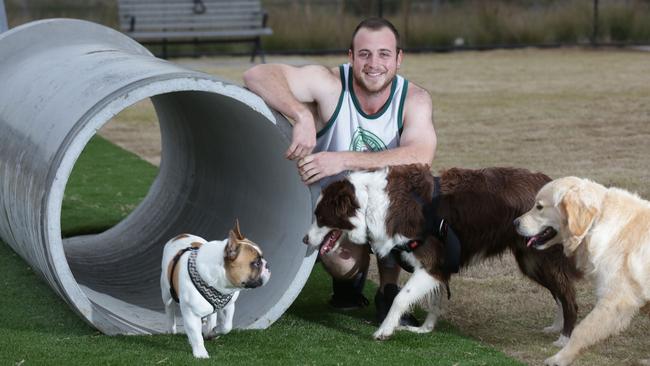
(215, 298)
(177, 257)
(438, 227)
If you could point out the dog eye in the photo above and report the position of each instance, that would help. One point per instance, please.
(257, 263)
(539, 207)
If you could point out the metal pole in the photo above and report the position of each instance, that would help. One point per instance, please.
(594, 35)
(3, 17)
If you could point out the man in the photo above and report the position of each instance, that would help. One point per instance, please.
(367, 117)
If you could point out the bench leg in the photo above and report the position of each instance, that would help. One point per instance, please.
(257, 49)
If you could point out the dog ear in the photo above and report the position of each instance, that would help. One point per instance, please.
(233, 246)
(580, 213)
(344, 204)
(236, 230)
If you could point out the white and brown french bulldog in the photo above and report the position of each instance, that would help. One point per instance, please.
(204, 278)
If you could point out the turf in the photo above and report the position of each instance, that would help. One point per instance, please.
(99, 194)
(37, 327)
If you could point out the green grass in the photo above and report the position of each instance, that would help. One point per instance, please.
(97, 195)
(37, 327)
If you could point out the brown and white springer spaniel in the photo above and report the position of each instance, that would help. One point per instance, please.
(385, 208)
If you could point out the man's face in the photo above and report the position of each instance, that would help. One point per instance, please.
(375, 59)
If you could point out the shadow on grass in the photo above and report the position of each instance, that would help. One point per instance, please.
(312, 305)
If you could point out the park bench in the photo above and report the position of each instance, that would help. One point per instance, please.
(165, 22)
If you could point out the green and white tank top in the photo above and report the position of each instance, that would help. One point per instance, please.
(350, 129)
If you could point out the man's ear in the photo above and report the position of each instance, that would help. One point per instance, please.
(232, 248)
(580, 213)
(400, 57)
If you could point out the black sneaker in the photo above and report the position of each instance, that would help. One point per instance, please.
(383, 302)
(348, 295)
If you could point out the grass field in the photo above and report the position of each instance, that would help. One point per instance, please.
(564, 112)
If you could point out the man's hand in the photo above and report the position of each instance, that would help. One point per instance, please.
(315, 167)
(303, 140)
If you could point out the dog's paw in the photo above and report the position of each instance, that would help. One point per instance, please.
(201, 353)
(556, 361)
(217, 331)
(552, 329)
(421, 330)
(222, 329)
(211, 335)
(382, 334)
(562, 341)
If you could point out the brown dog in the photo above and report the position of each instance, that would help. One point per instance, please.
(385, 208)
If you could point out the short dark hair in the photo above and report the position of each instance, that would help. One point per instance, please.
(376, 23)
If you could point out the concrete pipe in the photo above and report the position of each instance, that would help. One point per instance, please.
(222, 157)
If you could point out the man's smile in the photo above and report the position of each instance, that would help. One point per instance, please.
(374, 73)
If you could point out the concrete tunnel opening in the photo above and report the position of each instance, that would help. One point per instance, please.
(217, 164)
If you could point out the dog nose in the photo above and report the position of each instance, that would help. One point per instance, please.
(516, 222)
(306, 239)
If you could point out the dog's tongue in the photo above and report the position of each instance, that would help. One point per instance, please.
(542, 237)
(329, 241)
(531, 241)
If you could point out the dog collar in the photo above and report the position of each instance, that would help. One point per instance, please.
(409, 246)
(217, 299)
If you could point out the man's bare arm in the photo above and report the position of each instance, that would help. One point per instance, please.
(417, 144)
(287, 89)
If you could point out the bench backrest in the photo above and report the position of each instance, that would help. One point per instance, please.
(189, 15)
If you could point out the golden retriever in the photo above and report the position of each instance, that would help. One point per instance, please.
(608, 232)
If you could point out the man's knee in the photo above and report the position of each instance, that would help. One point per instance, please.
(347, 261)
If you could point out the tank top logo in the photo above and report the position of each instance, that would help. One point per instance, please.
(364, 140)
